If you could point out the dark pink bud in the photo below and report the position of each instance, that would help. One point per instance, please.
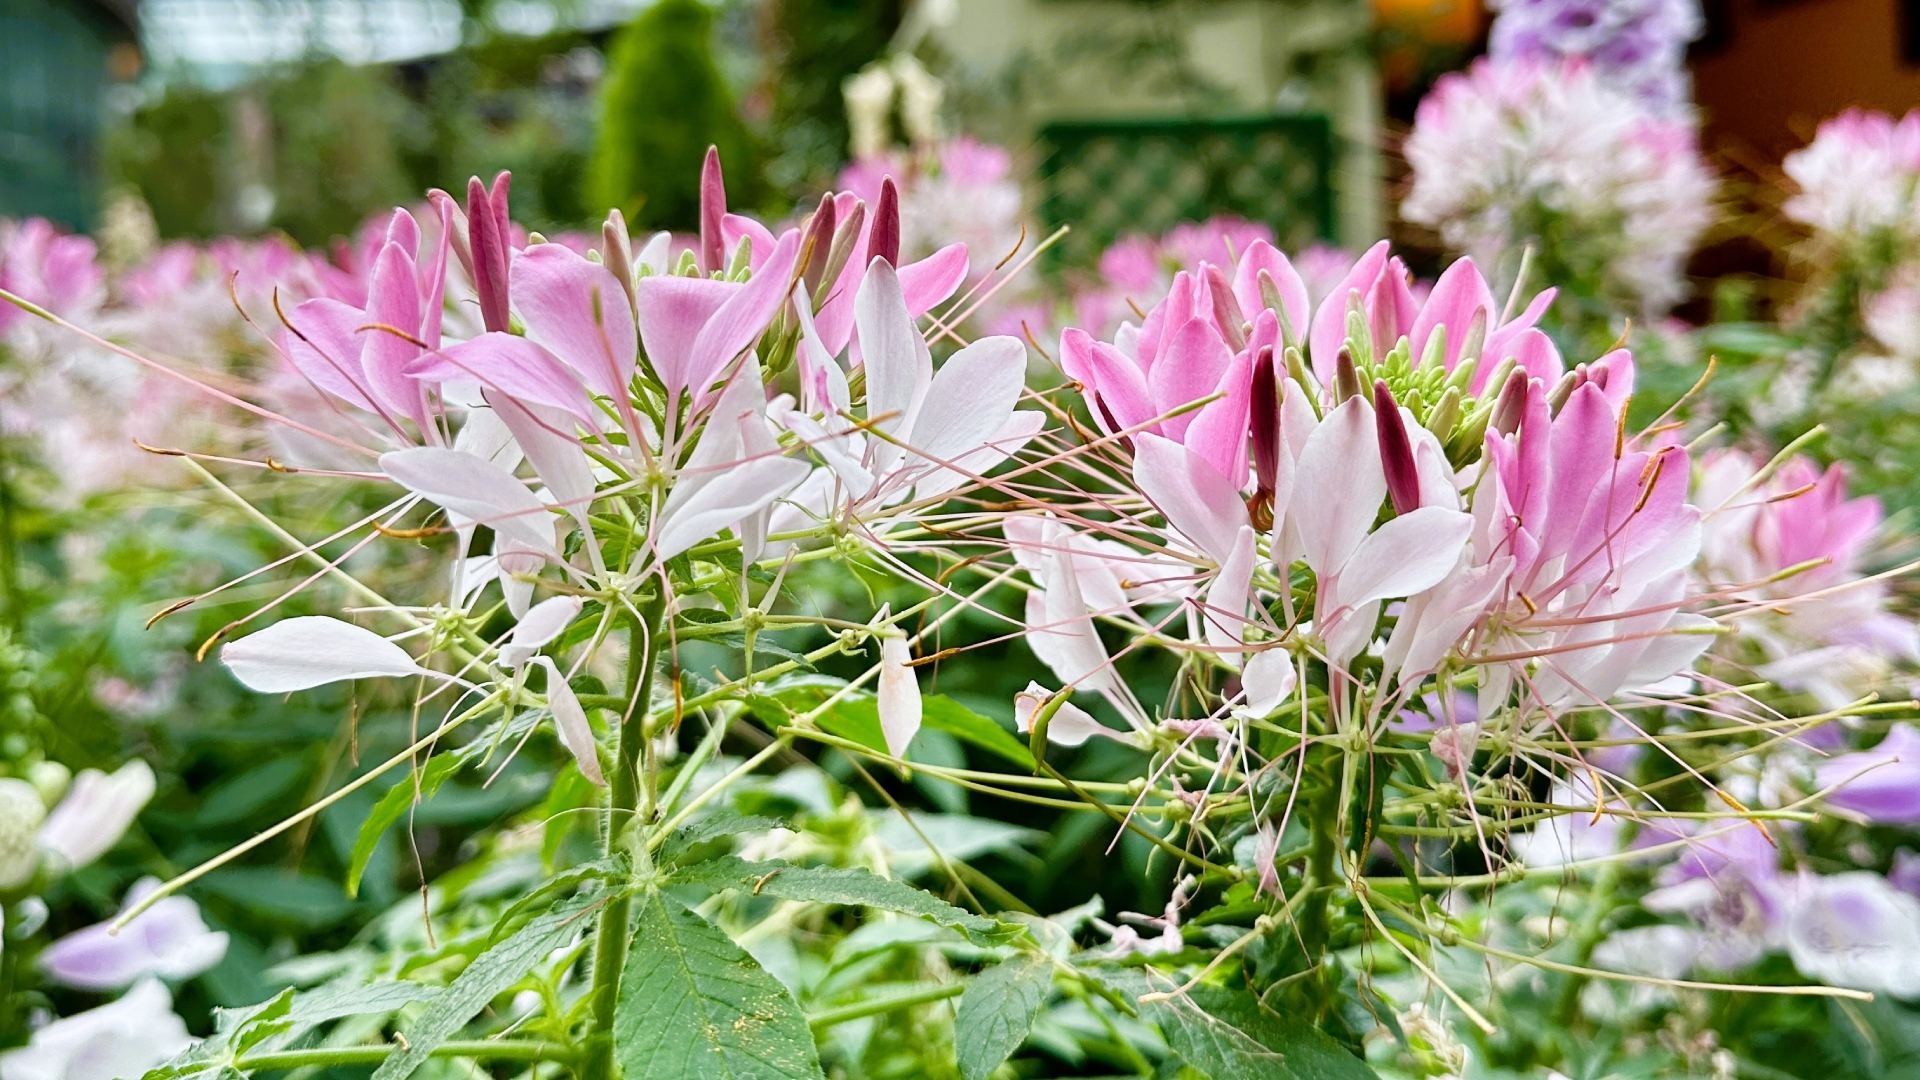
(488, 236)
(1226, 310)
(713, 207)
(884, 241)
(1512, 404)
(1263, 418)
(819, 242)
(1396, 450)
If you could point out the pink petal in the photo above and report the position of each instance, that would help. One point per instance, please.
(672, 312)
(735, 226)
(330, 354)
(1219, 432)
(1188, 369)
(1330, 321)
(511, 365)
(577, 309)
(934, 278)
(1457, 295)
(742, 319)
(1259, 256)
(393, 304)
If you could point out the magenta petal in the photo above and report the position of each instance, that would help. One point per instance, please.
(393, 304)
(672, 312)
(329, 355)
(578, 311)
(1076, 356)
(1531, 350)
(934, 278)
(511, 365)
(713, 209)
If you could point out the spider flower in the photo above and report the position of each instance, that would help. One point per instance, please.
(1530, 152)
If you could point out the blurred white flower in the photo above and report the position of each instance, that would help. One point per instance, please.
(118, 1040)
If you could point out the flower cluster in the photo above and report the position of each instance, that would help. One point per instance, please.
(1400, 566)
(957, 189)
(1611, 194)
(1640, 44)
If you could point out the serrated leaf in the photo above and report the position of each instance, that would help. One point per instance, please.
(711, 827)
(1308, 1052)
(694, 1006)
(490, 974)
(997, 1011)
(339, 1000)
(389, 809)
(846, 886)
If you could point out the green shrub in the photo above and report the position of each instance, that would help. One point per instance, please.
(663, 103)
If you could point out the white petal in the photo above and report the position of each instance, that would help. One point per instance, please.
(570, 720)
(1226, 600)
(971, 397)
(475, 489)
(721, 504)
(313, 650)
(1338, 486)
(543, 622)
(1070, 725)
(898, 366)
(1268, 680)
(898, 696)
(1409, 554)
(1195, 498)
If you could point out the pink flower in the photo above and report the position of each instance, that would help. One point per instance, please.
(41, 265)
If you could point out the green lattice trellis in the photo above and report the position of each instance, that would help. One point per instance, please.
(1111, 179)
(52, 68)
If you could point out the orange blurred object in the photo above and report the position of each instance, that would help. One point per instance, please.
(1432, 22)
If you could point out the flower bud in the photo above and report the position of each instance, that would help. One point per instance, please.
(884, 241)
(713, 207)
(1396, 450)
(819, 243)
(21, 812)
(1346, 377)
(1270, 296)
(617, 251)
(1264, 422)
(1226, 310)
(845, 235)
(488, 236)
(1512, 404)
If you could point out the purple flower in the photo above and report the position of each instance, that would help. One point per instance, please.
(1640, 44)
(1727, 880)
(1855, 930)
(168, 940)
(1881, 784)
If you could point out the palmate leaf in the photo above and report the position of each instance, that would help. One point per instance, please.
(490, 974)
(997, 1011)
(694, 1006)
(848, 887)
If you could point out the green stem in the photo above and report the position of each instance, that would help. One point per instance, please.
(876, 1006)
(610, 944)
(323, 1056)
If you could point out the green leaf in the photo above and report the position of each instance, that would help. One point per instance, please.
(694, 1006)
(490, 974)
(712, 826)
(997, 1012)
(848, 887)
(1310, 1053)
(942, 713)
(396, 802)
(337, 1000)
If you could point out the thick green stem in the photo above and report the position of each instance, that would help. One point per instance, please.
(624, 798)
(877, 1006)
(478, 1049)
